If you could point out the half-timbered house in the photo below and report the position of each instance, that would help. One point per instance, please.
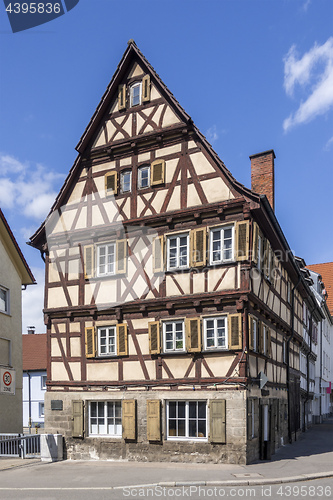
(173, 304)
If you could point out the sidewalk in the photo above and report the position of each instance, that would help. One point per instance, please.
(309, 458)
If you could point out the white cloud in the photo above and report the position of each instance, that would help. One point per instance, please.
(306, 5)
(33, 303)
(213, 134)
(328, 144)
(28, 189)
(314, 73)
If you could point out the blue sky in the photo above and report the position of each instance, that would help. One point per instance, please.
(253, 75)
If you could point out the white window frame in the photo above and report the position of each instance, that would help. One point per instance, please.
(105, 418)
(5, 300)
(132, 87)
(215, 320)
(187, 421)
(106, 247)
(174, 340)
(177, 237)
(122, 175)
(260, 259)
(111, 331)
(41, 410)
(264, 335)
(140, 170)
(255, 324)
(43, 382)
(9, 351)
(221, 229)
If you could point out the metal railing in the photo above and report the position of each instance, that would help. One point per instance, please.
(16, 445)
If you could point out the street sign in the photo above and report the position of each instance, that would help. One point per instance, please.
(7, 381)
(262, 380)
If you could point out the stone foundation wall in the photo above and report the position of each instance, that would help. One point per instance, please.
(88, 448)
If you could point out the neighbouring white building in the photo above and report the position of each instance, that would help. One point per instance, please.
(34, 379)
(322, 404)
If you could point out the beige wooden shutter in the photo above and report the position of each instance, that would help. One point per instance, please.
(88, 256)
(217, 428)
(268, 343)
(242, 240)
(251, 338)
(121, 256)
(146, 88)
(235, 331)
(255, 238)
(198, 246)
(129, 418)
(158, 261)
(154, 337)
(122, 349)
(111, 183)
(193, 334)
(249, 418)
(261, 337)
(157, 172)
(153, 420)
(121, 97)
(90, 342)
(77, 419)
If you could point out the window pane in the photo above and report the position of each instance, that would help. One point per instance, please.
(93, 409)
(3, 305)
(192, 428)
(201, 428)
(172, 428)
(181, 428)
(193, 409)
(181, 409)
(201, 409)
(172, 410)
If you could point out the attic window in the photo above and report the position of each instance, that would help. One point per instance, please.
(135, 94)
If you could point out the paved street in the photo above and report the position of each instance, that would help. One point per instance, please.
(294, 465)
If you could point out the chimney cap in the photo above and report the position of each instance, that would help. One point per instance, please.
(31, 329)
(269, 151)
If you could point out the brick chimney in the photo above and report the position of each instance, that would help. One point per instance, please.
(262, 174)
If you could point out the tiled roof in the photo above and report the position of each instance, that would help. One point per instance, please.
(34, 351)
(326, 272)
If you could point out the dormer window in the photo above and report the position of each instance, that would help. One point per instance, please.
(135, 94)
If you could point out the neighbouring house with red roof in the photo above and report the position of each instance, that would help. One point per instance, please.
(34, 378)
(14, 274)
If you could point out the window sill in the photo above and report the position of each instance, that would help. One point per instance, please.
(187, 440)
(171, 353)
(104, 436)
(215, 349)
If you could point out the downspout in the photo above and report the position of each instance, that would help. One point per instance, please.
(321, 371)
(29, 385)
(288, 358)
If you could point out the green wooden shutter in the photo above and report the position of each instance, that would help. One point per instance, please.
(217, 430)
(111, 183)
(193, 334)
(158, 261)
(122, 349)
(198, 245)
(129, 419)
(88, 256)
(90, 342)
(146, 88)
(157, 172)
(235, 331)
(255, 239)
(153, 420)
(154, 337)
(242, 240)
(121, 97)
(77, 419)
(121, 256)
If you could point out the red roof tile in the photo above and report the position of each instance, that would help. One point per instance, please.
(326, 272)
(34, 351)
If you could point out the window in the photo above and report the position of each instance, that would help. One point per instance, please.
(41, 410)
(135, 94)
(254, 329)
(260, 248)
(5, 352)
(144, 177)
(216, 333)
(43, 382)
(107, 341)
(105, 418)
(187, 420)
(221, 244)
(177, 251)
(106, 259)
(174, 336)
(125, 181)
(4, 300)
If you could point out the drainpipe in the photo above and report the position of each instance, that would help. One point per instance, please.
(29, 377)
(288, 360)
(321, 370)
